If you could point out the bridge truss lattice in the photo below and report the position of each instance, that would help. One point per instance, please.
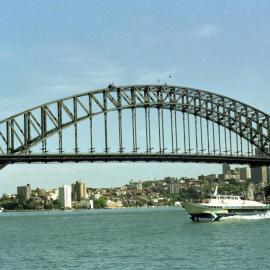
(151, 123)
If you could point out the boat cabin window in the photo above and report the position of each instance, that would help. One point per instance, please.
(223, 197)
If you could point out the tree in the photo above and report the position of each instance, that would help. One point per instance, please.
(267, 191)
(100, 203)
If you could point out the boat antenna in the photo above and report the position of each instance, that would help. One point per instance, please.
(216, 190)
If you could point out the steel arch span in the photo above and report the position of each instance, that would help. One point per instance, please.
(138, 123)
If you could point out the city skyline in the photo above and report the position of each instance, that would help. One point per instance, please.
(110, 183)
(79, 186)
(66, 56)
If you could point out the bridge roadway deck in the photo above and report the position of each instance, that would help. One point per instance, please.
(132, 157)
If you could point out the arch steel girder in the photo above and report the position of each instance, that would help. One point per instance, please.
(246, 121)
(131, 157)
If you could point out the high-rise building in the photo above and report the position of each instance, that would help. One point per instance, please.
(260, 175)
(245, 173)
(24, 193)
(79, 191)
(174, 188)
(225, 168)
(135, 184)
(65, 196)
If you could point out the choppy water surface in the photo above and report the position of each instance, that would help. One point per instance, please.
(153, 238)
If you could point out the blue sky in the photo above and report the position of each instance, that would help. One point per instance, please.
(51, 49)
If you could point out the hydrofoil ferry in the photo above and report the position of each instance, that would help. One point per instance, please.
(216, 206)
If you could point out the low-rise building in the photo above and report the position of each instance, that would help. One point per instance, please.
(97, 196)
(202, 178)
(53, 194)
(212, 177)
(87, 204)
(114, 204)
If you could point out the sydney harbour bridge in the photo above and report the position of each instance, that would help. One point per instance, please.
(149, 123)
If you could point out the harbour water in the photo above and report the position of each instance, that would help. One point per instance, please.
(146, 238)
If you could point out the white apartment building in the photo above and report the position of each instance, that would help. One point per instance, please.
(65, 196)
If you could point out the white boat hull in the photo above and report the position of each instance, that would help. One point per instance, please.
(197, 211)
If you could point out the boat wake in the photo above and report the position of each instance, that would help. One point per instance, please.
(249, 217)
